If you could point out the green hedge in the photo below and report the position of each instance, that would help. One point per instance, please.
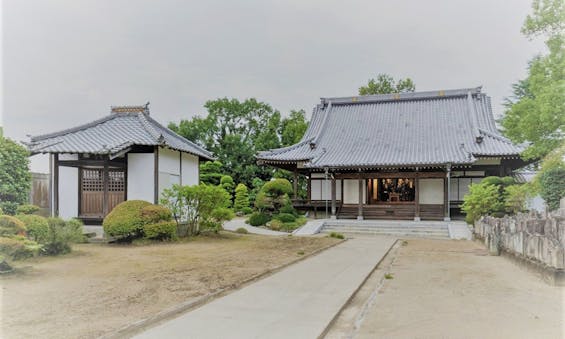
(552, 187)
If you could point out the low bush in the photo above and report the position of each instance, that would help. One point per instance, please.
(516, 198)
(126, 220)
(155, 213)
(241, 230)
(288, 209)
(27, 209)
(259, 219)
(336, 235)
(61, 235)
(37, 227)
(162, 230)
(9, 207)
(285, 217)
(247, 210)
(18, 247)
(276, 225)
(10, 226)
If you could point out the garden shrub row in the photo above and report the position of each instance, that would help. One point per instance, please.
(27, 235)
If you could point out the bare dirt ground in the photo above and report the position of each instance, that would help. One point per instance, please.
(101, 288)
(454, 289)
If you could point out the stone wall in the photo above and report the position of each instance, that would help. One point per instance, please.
(533, 237)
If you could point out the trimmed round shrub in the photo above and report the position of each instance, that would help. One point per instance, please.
(126, 221)
(241, 230)
(36, 225)
(18, 247)
(285, 217)
(288, 209)
(10, 226)
(27, 209)
(259, 219)
(162, 230)
(276, 225)
(156, 213)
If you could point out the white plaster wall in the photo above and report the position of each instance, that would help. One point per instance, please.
(351, 191)
(169, 168)
(431, 191)
(169, 161)
(319, 190)
(141, 167)
(68, 188)
(190, 170)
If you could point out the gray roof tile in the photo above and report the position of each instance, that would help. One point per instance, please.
(112, 134)
(410, 129)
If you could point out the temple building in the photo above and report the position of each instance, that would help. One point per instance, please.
(126, 155)
(397, 156)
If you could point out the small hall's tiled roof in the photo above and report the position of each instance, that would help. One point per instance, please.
(124, 127)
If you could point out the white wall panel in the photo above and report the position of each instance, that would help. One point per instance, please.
(431, 191)
(351, 191)
(141, 167)
(190, 170)
(68, 188)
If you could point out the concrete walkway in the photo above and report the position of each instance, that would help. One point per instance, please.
(297, 302)
(236, 223)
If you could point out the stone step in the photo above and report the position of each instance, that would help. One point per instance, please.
(382, 231)
(434, 235)
(442, 228)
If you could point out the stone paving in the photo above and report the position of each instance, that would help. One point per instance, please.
(297, 302)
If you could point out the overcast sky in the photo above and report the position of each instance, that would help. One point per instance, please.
(65, 62)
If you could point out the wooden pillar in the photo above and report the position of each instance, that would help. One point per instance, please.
(295, 184)
(56, 184)
(309, 188)
(333, 197)
(417, 196)
(341, 191)
(446, 188)
(360, 208)
(180, 168)
(156, 176)
(106, 182)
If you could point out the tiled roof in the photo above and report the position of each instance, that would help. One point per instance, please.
(409, 129)
(126, 126)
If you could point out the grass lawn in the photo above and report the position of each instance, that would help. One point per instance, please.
(98, 288)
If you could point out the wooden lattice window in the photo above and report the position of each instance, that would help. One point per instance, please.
(116, 182)
(93, 180)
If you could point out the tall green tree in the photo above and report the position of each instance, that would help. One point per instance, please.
(15, 178)
(535, 114)
(235, 131)
(385, 84)
(293, 128)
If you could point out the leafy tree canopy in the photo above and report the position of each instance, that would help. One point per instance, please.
(15, 179)
(385, 84)
(235, 131)
(536, 112)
